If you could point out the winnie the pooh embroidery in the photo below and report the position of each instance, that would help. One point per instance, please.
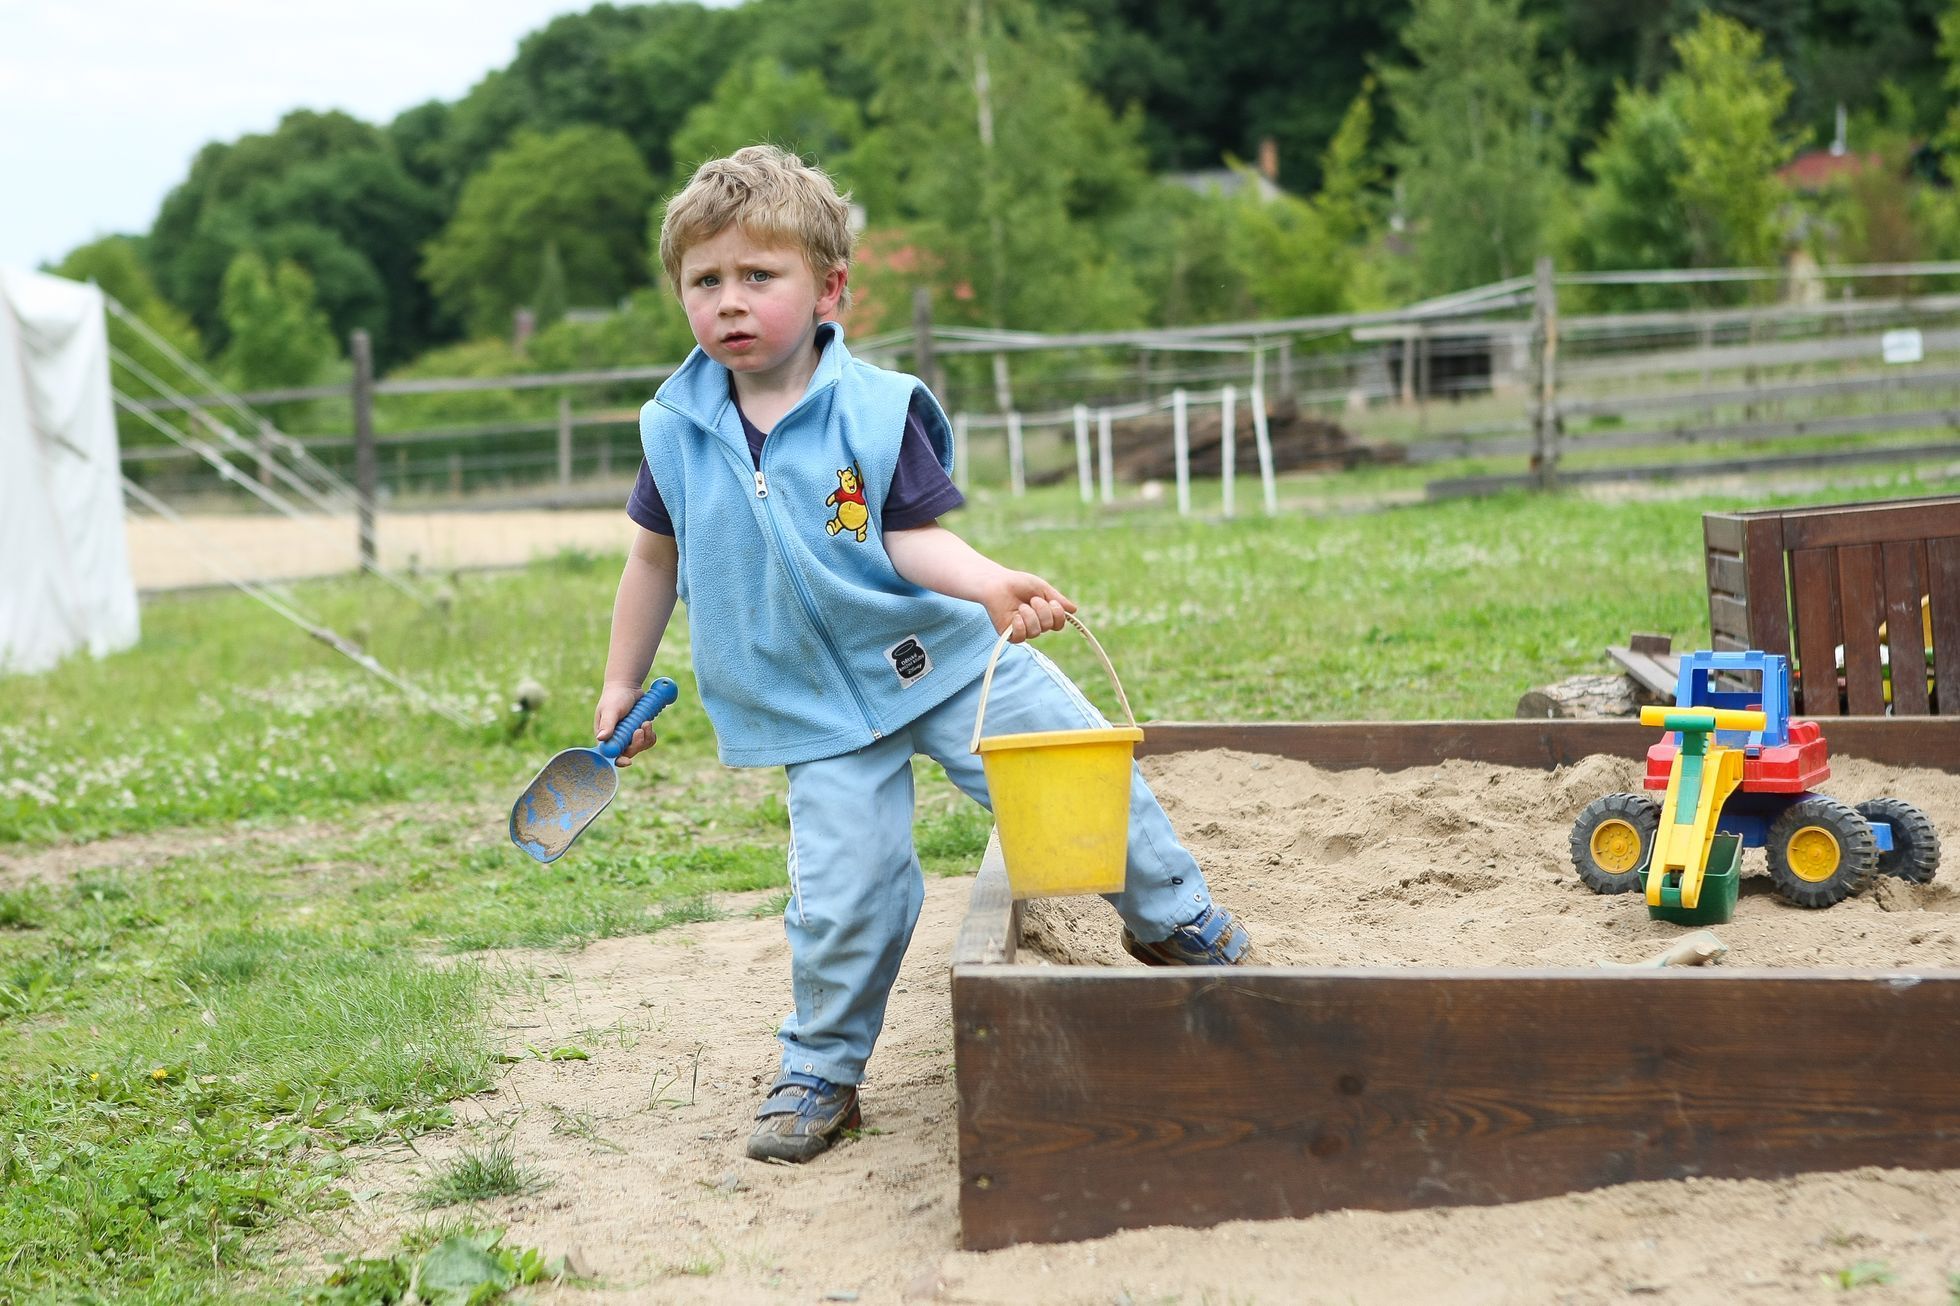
(848, 499)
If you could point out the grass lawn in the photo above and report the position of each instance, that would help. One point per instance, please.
(256, 887)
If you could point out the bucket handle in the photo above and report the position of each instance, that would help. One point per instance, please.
(986, 682)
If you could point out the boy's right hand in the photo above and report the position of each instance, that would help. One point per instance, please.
(615, 701)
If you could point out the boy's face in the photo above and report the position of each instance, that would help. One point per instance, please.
(755, 307)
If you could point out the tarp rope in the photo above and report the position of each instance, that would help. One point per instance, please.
(420, 697)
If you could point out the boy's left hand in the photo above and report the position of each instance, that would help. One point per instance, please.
(1025, 605)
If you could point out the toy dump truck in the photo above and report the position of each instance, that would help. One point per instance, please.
(1736, 772)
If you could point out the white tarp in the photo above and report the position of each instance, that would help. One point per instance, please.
(64, 567)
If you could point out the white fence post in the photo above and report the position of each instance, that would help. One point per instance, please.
(1262, 437)
(1017, 472)
(1181, 447)
(1228, 447)
(564, 439)
(1082, 473)
(1106, 456)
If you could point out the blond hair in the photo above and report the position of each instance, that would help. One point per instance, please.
(773, 196)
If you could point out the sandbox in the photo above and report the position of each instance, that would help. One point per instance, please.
(1431, 1023)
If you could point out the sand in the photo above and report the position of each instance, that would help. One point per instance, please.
(1468, 864)
(638, 1151)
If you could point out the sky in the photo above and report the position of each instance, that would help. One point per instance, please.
(103, 103)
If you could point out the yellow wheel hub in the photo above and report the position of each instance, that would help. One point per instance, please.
(1616, 847)
(1814, 854)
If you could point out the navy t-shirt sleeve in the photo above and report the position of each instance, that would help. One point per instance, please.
(921, 490)
(645, 505)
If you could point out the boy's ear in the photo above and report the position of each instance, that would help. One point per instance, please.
(830, 290)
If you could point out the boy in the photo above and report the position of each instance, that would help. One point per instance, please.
(790, 496)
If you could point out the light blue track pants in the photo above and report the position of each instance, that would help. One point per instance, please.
(855, 884)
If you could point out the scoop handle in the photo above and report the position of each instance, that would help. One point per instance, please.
(661, 693)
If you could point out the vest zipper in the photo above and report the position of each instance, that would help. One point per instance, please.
(809, 607)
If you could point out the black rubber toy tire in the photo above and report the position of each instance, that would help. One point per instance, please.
(1636, 810)
(1915, 851)
(1857, 859)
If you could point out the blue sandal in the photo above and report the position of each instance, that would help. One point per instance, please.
(1213, 938)
(802, 1117)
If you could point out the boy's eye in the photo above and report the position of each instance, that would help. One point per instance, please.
(760, 275)
(707, 281)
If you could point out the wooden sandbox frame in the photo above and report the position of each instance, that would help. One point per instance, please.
(1095, 1099)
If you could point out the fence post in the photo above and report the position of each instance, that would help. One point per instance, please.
(361, 350)
(265, 453)
(1181, 449)
(1263, 440)
(1084, 477)
(1286, 369)
(1017, 471)
(1105, 456)
(1544, 417)
(922, 359)
(564, 439)
(1003, 388)
(1228, 448)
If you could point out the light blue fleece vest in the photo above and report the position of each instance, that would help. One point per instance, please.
(807, 642)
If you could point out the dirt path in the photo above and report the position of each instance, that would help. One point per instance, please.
(210, 547)
(639, 1148)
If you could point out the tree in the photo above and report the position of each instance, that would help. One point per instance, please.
(761, 100)
(345, 207)
(548, 301)
(636, 69)
(279, 337)
(1731, 98)
(1685, 175)
(583, 189)
(1486, 127)
(989, 150)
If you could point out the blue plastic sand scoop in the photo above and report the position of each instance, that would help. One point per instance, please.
(576, 785)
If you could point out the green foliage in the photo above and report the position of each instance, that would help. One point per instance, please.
(468, 1268)
(477, 1175)
(636, 69)
(1685, 175)
(583, 189)
(1010, 192)
(1486, 129)
(761, 100)
(1731, 99)
(1351, 174)
(324, 189)
(1861, 1274)
(548, 301)
(278, 336)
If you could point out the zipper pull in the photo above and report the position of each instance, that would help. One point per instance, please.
(761, 486)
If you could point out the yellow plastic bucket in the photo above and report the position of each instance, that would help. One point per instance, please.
(1061, 797)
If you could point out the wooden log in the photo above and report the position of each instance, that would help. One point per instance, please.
(1602, 695)
(1093, 1099)
(1398, 745)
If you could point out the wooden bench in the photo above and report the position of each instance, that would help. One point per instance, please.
(1820, 584)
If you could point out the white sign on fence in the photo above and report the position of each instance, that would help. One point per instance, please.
(1903, 346)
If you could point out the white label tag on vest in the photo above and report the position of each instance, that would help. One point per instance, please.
(910, 660)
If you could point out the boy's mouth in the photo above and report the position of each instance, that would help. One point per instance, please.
(737, 340)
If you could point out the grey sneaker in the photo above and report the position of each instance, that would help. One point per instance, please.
(1212, 938)
(802, 1116)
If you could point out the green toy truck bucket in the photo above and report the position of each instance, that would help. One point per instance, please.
(1718, 888)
